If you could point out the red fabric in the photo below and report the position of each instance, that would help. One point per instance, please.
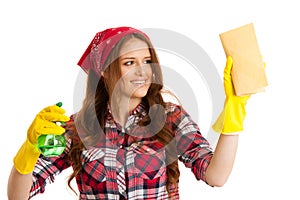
(99, 49)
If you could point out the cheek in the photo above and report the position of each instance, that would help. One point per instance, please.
(124, 71)
(149, 71)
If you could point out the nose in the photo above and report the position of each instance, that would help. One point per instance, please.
(140, 68)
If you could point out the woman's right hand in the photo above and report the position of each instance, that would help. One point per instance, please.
(44, 123)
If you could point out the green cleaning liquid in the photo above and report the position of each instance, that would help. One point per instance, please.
(52, 145)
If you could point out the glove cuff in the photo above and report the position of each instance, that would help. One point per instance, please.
(231, 118)
(26, 158)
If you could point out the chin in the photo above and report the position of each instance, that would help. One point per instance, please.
(140, 93)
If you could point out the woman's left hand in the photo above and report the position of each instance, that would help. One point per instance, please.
(232, 117)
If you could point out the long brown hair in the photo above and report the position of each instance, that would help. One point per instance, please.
(90, 119)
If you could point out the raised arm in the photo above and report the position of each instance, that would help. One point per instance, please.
(222, 161)
(229, 122)
(20, 179)
(18, 185)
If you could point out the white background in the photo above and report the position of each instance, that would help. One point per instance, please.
(41, 42)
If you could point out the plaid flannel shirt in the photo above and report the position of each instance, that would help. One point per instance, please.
(127, 167)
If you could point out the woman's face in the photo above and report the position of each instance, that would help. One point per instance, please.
(136, 71)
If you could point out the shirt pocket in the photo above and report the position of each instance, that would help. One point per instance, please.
(149, 161)
(93, 165)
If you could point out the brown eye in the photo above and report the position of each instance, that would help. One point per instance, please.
(128, 63)
(147, 61)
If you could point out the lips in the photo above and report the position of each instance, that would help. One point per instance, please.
(138, 82)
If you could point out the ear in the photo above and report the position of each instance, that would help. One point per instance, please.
(102, 73)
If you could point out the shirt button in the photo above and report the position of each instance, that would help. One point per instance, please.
(121, 146)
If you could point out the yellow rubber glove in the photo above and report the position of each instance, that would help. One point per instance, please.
(25, 159)
(232, 117)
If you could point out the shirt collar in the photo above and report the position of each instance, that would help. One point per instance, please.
(138, 111)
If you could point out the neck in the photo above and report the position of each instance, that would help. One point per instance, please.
(121, 109)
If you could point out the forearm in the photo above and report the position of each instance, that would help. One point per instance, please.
(222, 161)
(19, 185)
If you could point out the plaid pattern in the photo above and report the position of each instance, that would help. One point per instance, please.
(126, 166)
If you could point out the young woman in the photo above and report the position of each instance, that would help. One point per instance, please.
(126, 141)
